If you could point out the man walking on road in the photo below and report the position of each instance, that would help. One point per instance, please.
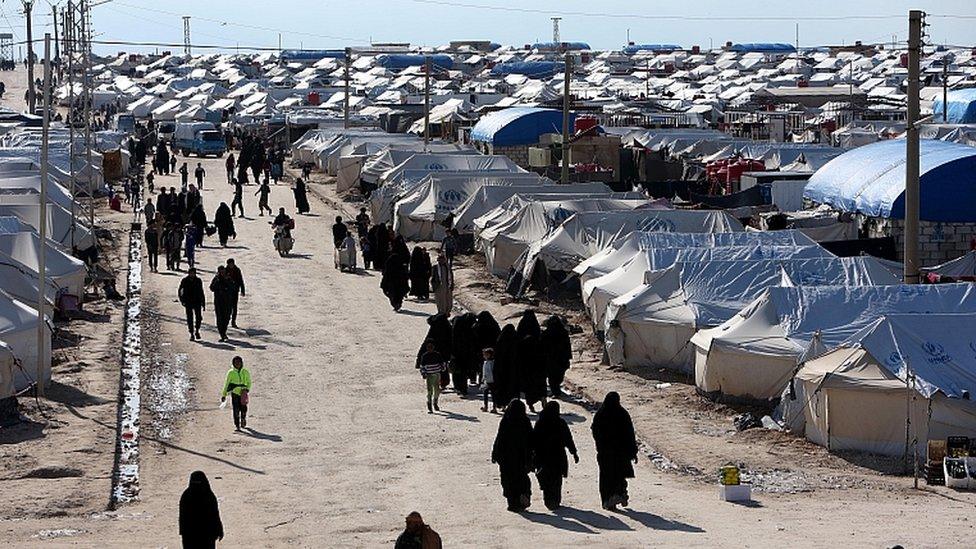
(235, 274)
(199, 174)
(184, 175)
(224, 290)
(194, 301)
(238, 384)
(230, 165)
(263, 191)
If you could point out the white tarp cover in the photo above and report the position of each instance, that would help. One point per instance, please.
(430, 162)
(58, 221)
(419, 214)
(754, 353)
(857, 392)
(659, 318)
(587, 233)
(396, 155)
(489, 198)
(625, 248)
(963, 267)
(67, 272)
(598, 292)
(18, 329)
(21, 283)
(56, 194)
(7, 369)
(504, 243)
(348, 170)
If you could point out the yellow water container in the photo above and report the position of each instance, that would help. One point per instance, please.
(729, 475)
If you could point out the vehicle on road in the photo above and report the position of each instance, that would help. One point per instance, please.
(282, 242)
(199, 138)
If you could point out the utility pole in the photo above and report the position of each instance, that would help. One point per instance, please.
(647, 79)
(31, 92)
(797, 48)
(426, 102)
(279, 44)
(916, 20)
(345, 98)
(85, 13)
(555, 30)
(57, 54)
(945, 90)
(70, 47)
(186, 34)
(564, 179)
(42, 221)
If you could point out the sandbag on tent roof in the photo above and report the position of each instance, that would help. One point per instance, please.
(18, 330)
(489, 198)
(586, 233)
(67, 272)
(504, 243)
(598, 292)
(58, 220)
(624, 249)
(420, 213)
(855, 395)
(754, 353)
(658, 319)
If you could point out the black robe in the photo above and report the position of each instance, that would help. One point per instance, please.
(400, 247)
(441, 333)
(379, 240)
(200, 524)
(512, 451)
(616, 446)
(224, 221)
(466, 351)
(557, 351)
(395, 281)
(531, 363)
(301, 197)
(550, 440)
(505, 372)
(420, 273)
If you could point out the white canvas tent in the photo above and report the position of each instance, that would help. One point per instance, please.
(625, 248)
(600, 291)
(67, 272)
(18, 330)
(902, 377)
(58, 220)
(487, 199)
(755, 352)
(15, 184)
(7, 371)
(504, 242)
(422, 210)
(586, 233)
(658, 318)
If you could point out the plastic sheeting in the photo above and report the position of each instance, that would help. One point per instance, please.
(67, 272)
(871, 180)
(504, 242)
(659, 317)
(587, 233)
(490, 197)
(420, 213)
(754, 353)
(518, 126)
(18, 330)
(963, 267)
(624, 249)
(58, 221)
(961, 107)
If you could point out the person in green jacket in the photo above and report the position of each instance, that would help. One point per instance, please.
(238, 384)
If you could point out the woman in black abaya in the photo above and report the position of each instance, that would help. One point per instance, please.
(200, 525)
(551, 438)
(616, 448)
(512, 452)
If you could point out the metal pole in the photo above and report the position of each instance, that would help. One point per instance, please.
(345, 98)
(87, 98)
(945, 91)
(566, 129)
(42, 221)
(31, 92)
(57, 54)
(426, 102)
(912, 192)
(69, 41)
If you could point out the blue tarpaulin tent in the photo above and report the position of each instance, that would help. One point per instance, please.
(667, 48)
(871, 180)
(755, 47)
(518, 126)
(400, 61)
(534, 69)
(962, 107)
(311, 55)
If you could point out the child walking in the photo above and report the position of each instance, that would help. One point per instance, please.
(488, 379)
(432, 363)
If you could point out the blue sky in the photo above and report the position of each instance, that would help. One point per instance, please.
(326, 24)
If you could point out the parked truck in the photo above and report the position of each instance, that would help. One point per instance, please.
(199, 138)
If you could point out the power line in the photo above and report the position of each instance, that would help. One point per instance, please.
(664, 17)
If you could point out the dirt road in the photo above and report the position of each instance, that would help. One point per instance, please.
(342, 448)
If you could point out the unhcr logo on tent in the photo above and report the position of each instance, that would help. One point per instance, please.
(657, 225)
(810, 279)
(937, 353)
(893, 360)
(435, 166)
(559, 215)
(452, 196)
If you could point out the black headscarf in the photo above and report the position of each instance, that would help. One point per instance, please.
(441, 333)
(613, 433)
(199, 515)
(419, 272)
(550, 437)
(223, 219)
(395, 280)
(465, 347)
(487, 329)
(512, 448)
(528, 324)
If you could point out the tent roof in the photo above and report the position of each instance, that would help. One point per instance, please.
(871, 180)
(518, 126)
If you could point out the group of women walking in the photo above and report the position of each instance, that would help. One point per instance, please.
(520, 449)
